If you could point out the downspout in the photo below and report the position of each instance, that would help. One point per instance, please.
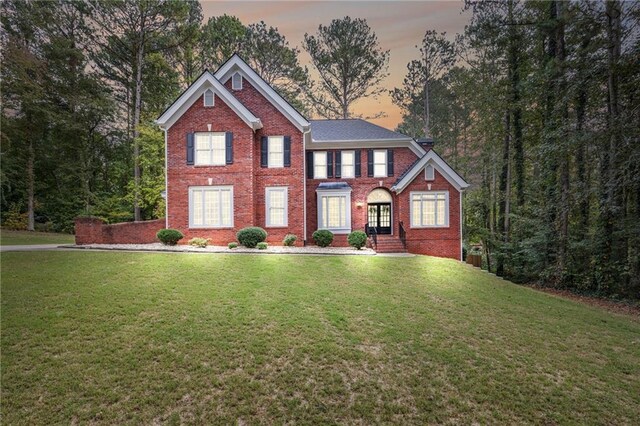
(304, 185)
(461, 250)
(166, 180)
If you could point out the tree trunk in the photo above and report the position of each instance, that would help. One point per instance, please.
(30, 186)
(564, 207)
(427, 130)
(505, 189)
(514, 73)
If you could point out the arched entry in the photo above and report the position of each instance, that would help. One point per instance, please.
(379, 210)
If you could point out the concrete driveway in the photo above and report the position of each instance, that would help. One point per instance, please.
(30, 247)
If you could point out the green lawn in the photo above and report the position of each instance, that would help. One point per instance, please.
(19, 238)
(90, 337)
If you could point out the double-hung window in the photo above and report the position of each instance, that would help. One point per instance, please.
(348, 167)
(276, 206)
(210, 149)
(320, 165)
(334, 211)
(380, 163)
(429, 209)
(276, 151)
(211, 207)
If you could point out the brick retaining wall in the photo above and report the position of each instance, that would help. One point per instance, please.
(92, 230)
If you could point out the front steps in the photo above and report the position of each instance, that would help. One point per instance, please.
(389, 244)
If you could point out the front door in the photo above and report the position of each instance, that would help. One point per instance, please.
(379, 217)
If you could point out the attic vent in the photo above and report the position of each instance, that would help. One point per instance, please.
(208, 98)
(429, 172)
(236, 81)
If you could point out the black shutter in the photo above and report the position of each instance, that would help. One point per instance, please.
(370, 162)
(190, 149)
(329, 164)
(357, 163)
(309, 164)
(338, 164)
(389, 162)
(287, 151)
(264, 151)
(229, 147)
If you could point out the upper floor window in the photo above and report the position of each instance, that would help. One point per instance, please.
(320, 165)
(429, 209)
(210, 149)
(208, 98)
(236, 81)
(380, 163)
(276, 151)
(348, 169)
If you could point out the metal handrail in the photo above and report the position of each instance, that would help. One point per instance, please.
(403, 235)
(372, 233)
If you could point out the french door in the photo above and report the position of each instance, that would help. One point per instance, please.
(379, 217)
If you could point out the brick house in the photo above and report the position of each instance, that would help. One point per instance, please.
(237, 154)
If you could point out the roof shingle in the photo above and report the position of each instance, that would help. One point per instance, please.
(351, 130)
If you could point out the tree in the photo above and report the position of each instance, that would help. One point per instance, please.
(350, 63)
(221, 37)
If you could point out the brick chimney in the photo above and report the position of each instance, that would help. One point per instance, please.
(426, 143)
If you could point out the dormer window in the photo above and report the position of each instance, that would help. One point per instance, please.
(236, 81)
(208, 98)
(429, 173)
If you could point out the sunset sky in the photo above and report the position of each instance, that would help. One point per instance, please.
(399, 25)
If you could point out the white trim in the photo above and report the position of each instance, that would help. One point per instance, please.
(304, 184)
(211, 188)
(446, 208)
(210, 151)
(372, 143)
(235, 86)
(236, 64)
(206, 81)
(267, 206)
(439, 164)
(335, 193)
(213, 98)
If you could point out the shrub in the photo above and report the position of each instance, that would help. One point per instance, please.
(250, 236)
(14, 219)
(232, 245)
(169, 237)
(262, 246)
(323, 237)
(289, 240)
(199, 242)
(357, 239)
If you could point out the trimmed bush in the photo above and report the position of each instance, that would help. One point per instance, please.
(357, 239)
(199, 242)
(251, 236)
(289, 240)
(323, 237)
(169, 237)
(262, 246)
(232, 245)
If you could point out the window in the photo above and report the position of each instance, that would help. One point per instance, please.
(429, 172)
(208, 98)
(429, 209)
(211, 207)
(276, 206)
(210, 149)
(334, 211)
(236, 81)
(380, 163)
(348, 169)
(320, 165)
(276, 151)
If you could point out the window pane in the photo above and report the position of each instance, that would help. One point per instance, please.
(320, 165)
(380, 163)
(348, 169)
(380, 170)
(415, 212)
(333, 212)
(428, 213)
(226, 207)
(276, 215)
(211, 208)
(196, 199)
(217, 144)
(441, 212)
(276, 151)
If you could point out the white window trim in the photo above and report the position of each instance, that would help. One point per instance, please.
(386, 163)
(335, 193)
(199, 188)
(195, 149)
(267, 206)
(353, 164)
(233, 81)
(269, 164)
(315, 163)
(429, 176)
(213, 98)
(446, 208)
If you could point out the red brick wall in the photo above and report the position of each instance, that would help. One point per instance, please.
(249, 180)
(441, 242)
(361, 187)
(91, 230)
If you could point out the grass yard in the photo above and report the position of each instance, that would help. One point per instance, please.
(20, 238)
(90, 337)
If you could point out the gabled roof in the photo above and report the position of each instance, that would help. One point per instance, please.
(348, 130)
(431, 157)
(236, 64)
(195, 90)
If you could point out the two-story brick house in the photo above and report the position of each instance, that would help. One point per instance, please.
(237, 155)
